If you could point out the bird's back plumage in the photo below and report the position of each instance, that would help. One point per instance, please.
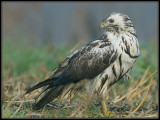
(97, 65)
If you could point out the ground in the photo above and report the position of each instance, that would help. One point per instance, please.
(24, 65)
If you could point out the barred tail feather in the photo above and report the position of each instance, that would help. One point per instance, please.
(53, 93)
(41, 84)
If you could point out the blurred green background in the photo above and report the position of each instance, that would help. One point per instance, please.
(45, 32)
(37, 36)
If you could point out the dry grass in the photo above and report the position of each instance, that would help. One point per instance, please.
(130, 105)
(136, 98)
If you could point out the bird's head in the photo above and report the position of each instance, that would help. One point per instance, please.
(117, 21)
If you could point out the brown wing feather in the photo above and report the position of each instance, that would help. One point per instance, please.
(86, 64)
(83, 64)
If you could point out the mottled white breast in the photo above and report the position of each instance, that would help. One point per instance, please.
(117, 69)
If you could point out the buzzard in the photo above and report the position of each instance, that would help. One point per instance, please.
(96, 66)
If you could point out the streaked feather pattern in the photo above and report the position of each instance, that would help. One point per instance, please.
(96, 66)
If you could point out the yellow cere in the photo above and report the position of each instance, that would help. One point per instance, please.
(102, 24)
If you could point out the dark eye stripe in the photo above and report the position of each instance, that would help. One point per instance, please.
(111, 20)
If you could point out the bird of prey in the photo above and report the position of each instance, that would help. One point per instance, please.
(96, 66)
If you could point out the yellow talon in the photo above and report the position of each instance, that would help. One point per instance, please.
(105, 109)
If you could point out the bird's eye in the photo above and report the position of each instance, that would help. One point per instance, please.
(111, 20)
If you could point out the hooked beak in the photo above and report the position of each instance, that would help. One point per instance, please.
(103, 26)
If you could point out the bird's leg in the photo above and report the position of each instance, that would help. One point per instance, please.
(103, 103)
(105, 109)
